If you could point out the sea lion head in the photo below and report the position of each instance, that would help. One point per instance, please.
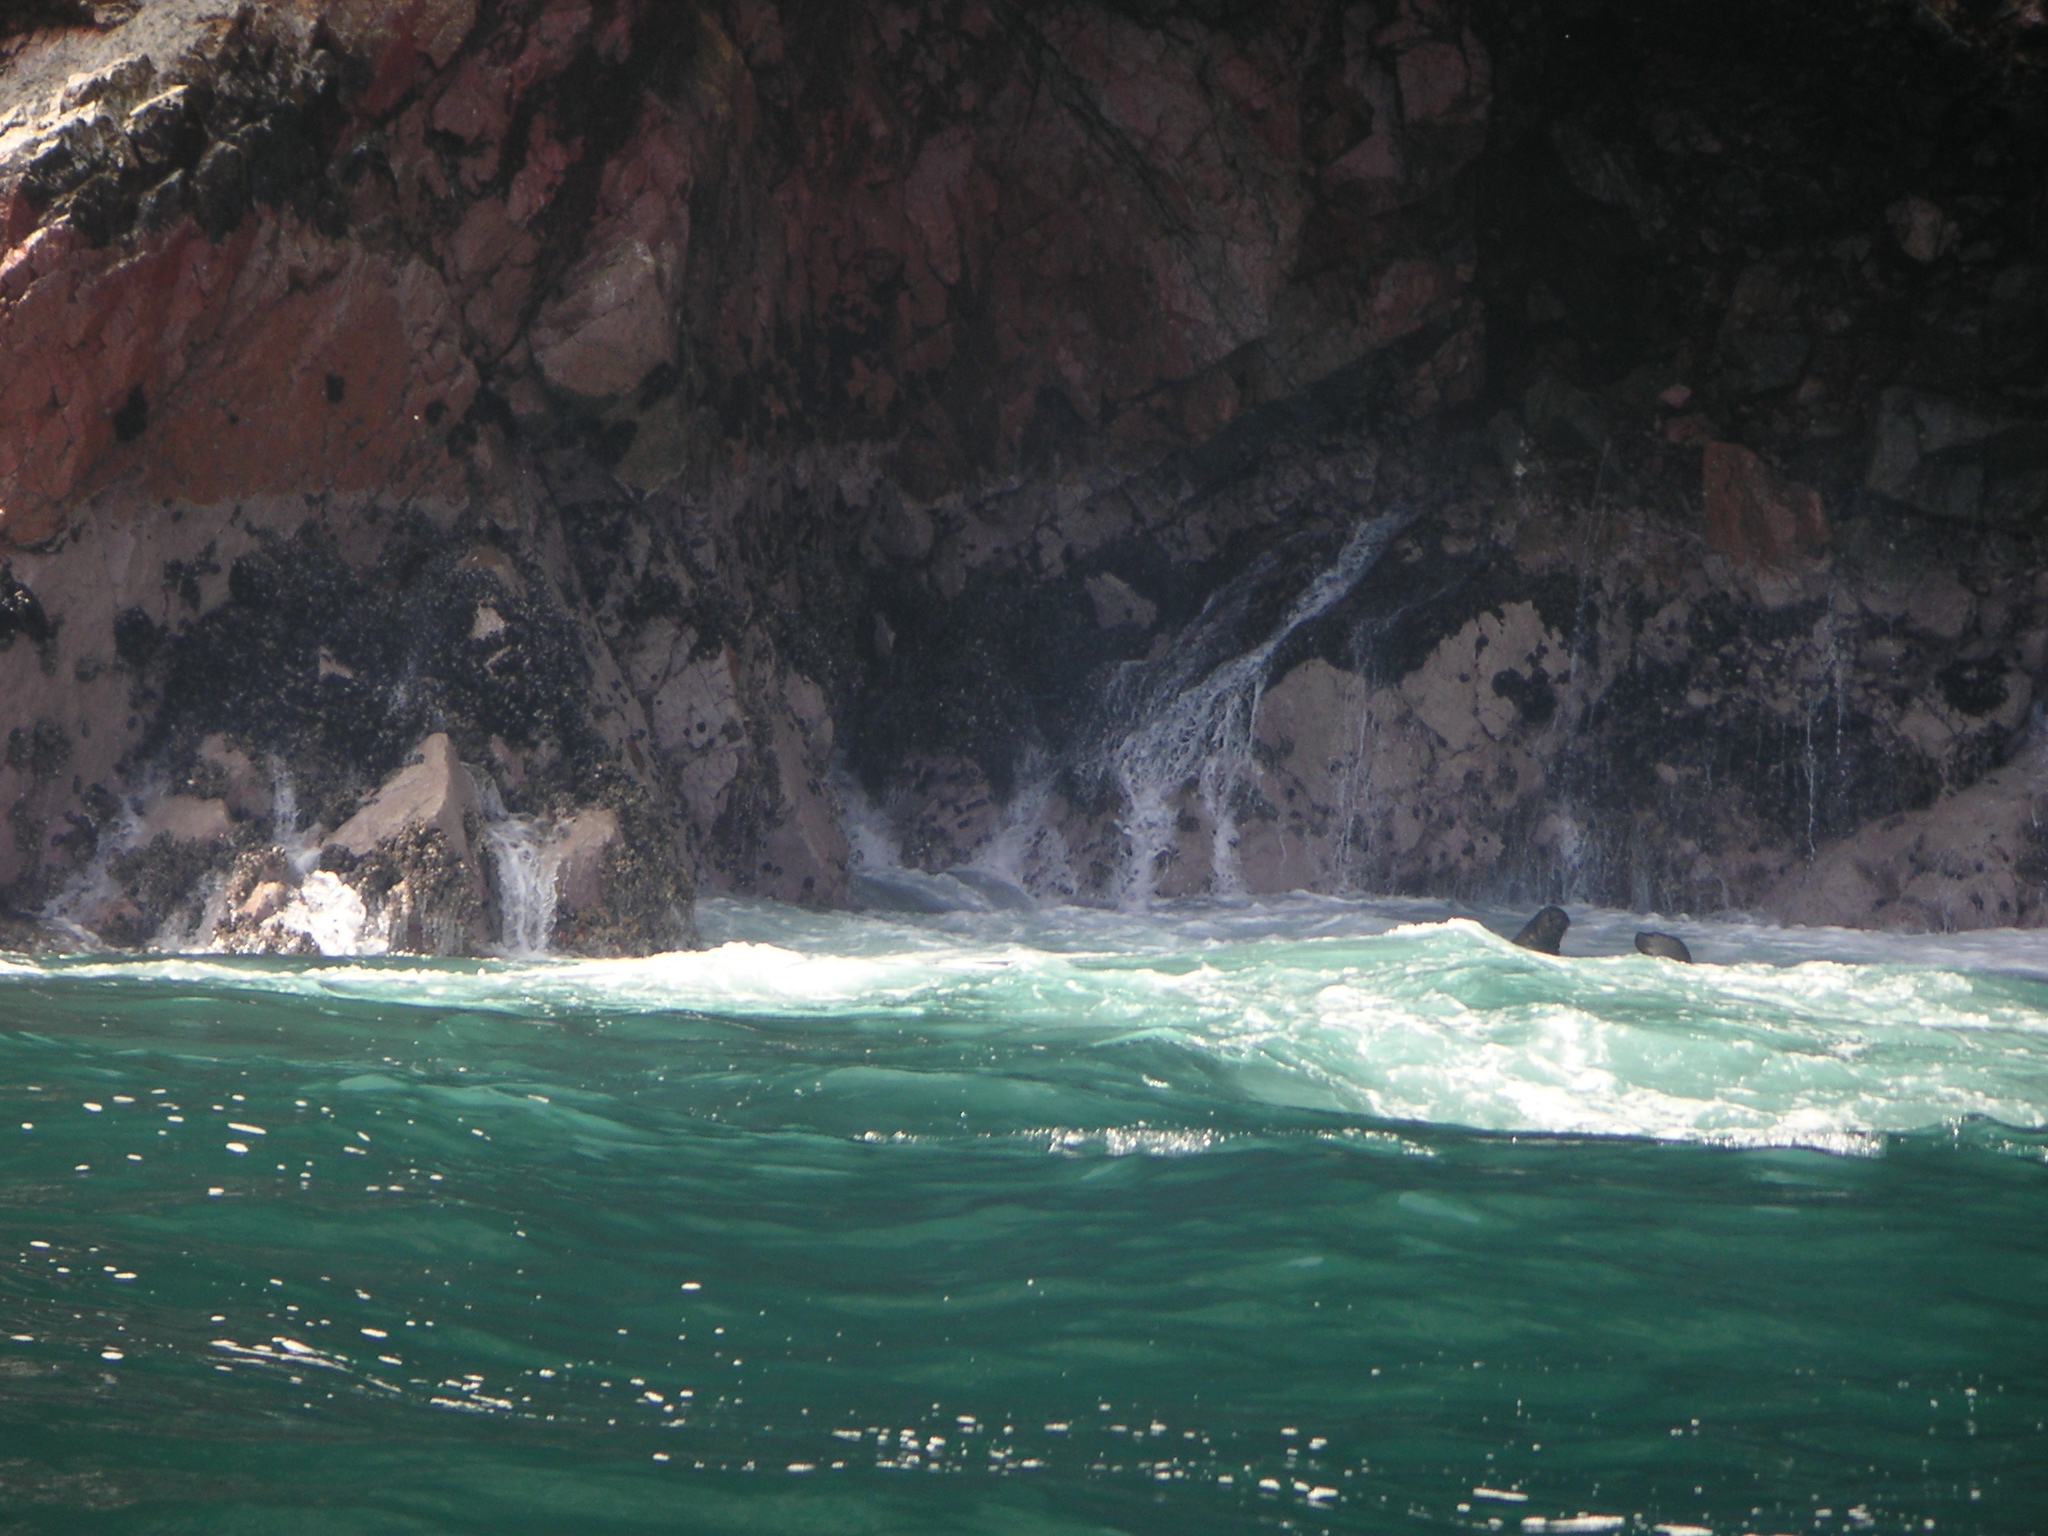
(1545, 931)
(1663, 946)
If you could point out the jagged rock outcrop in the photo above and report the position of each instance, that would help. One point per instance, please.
(273, 274)
(1517, 697)
(424, 821)
(678, 405)
(423, 867)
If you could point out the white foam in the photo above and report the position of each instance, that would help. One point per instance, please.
(329, 912)
(525, 865)
(1359, 1008)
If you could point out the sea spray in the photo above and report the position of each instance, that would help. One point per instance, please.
(1399, 1010)
(1192, 720)
(1186, 716)
(879, 880)
(870, 841)
(1026, 849)
(330, 913)
(524, 866)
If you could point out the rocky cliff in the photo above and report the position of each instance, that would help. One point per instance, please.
(472, 472)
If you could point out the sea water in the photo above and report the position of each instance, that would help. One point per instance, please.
(1298, 1215)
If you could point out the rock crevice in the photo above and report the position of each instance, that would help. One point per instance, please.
(686, 412)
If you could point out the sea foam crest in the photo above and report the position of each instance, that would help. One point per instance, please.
(1440, 1023)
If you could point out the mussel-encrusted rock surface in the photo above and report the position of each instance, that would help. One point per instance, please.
(654, 418)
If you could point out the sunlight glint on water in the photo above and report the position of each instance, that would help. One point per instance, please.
(1209, 1219)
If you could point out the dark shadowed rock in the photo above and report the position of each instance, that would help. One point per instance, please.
(220, 190)
(781, 443)
(164, 203)
(1952, 461)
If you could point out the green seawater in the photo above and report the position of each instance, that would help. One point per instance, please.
(1302, 1216)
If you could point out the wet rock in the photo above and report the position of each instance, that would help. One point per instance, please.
(26, 934)
(580, 848)
(265, 901)
(1755, 515)
(942, 811)
(433, 790)
(418, 827)
(695, 715)
(164, 881)
(619, 889)
(273, 935)
(1974, 859)
(1312, 742)
(1116, 604)
(1936, 454)
(767, 394)
(793, 846)
(267, 908)
(433, 906)
(1493, 672)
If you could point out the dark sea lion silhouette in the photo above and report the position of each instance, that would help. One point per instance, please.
(1545, 931)
(1663, 946)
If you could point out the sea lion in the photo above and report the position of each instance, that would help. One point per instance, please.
(1663, 946)
(1545, 931)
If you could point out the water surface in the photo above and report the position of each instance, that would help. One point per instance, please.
(1298, 1215)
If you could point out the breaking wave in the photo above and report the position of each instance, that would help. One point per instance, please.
(1390, 1011)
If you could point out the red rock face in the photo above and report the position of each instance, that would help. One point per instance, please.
(1755, 514)
(335, 259)
(834, 387)
(969, 232)
(275, 362)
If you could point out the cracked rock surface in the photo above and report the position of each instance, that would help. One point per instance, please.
(686, 412)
